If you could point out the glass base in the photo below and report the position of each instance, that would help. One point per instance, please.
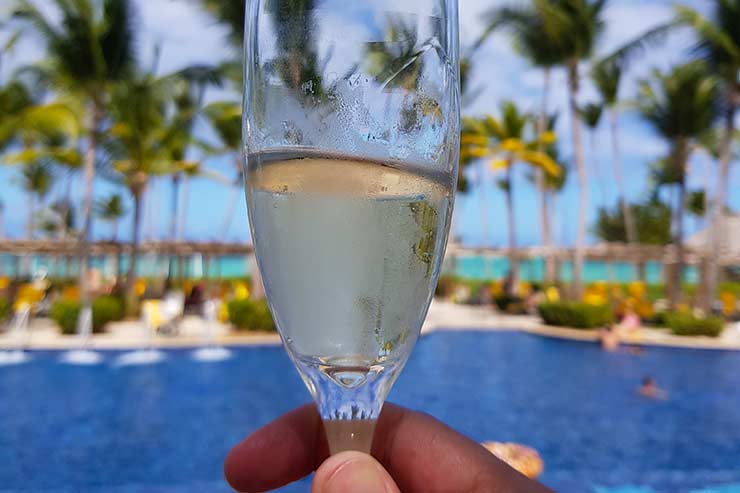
(349, 398)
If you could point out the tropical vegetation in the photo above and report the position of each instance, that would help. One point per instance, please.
(90, 110)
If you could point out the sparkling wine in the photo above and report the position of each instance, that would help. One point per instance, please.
(349, 251)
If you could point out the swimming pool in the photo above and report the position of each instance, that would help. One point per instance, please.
(165, 428)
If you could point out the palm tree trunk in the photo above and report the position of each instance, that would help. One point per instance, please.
(184, 209)
(24, 266)
(596, 166)
(629, 222)
(174, 211)
(483, 206)
(231, 207)
(181, 264)
(676, 278)
(30, 226)
(135, 237)
(233, 201)
(153, 208)
(174, 205)
(718, 205)
(116, 254)
(545, 226)
(87, 206)
(513, 261)
(580, 162)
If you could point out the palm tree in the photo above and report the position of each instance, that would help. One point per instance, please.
(134, 146)
(111, 210)
(577, 26)
(225, 120)
(606, 76)
(680, 106)
(719, 46)
(189, 91)
(15, 99)
(572, 28)
(89, 48)
(531, 40)
(505, 139)
(590, 114)
(37, 181)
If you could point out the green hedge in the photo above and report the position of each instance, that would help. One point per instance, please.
(577, 315)
(511, 304)
(4, 308)
(658, 319)
(251, 315)
(446, 286)
(105, 309)
(684, 324)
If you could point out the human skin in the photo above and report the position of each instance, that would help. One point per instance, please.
(421, 454)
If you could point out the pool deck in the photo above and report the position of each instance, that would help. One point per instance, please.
(44, 335)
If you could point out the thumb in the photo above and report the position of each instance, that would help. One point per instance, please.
(352, 472)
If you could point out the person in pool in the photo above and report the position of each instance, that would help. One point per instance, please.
(412, 452)
(650, 390)
(609, 339)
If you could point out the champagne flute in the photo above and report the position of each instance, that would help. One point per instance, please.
(351, 133)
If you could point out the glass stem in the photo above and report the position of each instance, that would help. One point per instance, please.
(349, 434)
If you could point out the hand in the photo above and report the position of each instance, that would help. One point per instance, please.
(421, 454)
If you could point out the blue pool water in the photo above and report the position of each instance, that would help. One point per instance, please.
(166, 427)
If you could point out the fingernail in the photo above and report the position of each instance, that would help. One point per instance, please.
(357, 475)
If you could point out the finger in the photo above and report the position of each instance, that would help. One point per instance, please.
(420, 453)
(284, 451)
(352, 472)
(426, 456)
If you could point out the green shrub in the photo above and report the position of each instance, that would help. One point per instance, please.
(658, 319)
(515, 305)
(685, 324)
(251, 315)
(4, 308)
(105, 309)
(446, 286)
(577, 315)
(65, 314)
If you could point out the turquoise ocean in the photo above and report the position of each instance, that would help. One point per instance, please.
(472, 267)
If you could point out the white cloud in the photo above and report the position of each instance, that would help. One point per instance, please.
(186, 35)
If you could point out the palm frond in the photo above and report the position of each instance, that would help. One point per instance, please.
(111, 208)
(225, 118)
(635, 48)
(117, 39)
(27, 11)
(591, 114)
(37, 179)
(88, 47)
(606, 76)
(540, 160)
(682, 103)
(708, 31)
(59, 155)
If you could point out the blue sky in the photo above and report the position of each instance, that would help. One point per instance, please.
(188, 36)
